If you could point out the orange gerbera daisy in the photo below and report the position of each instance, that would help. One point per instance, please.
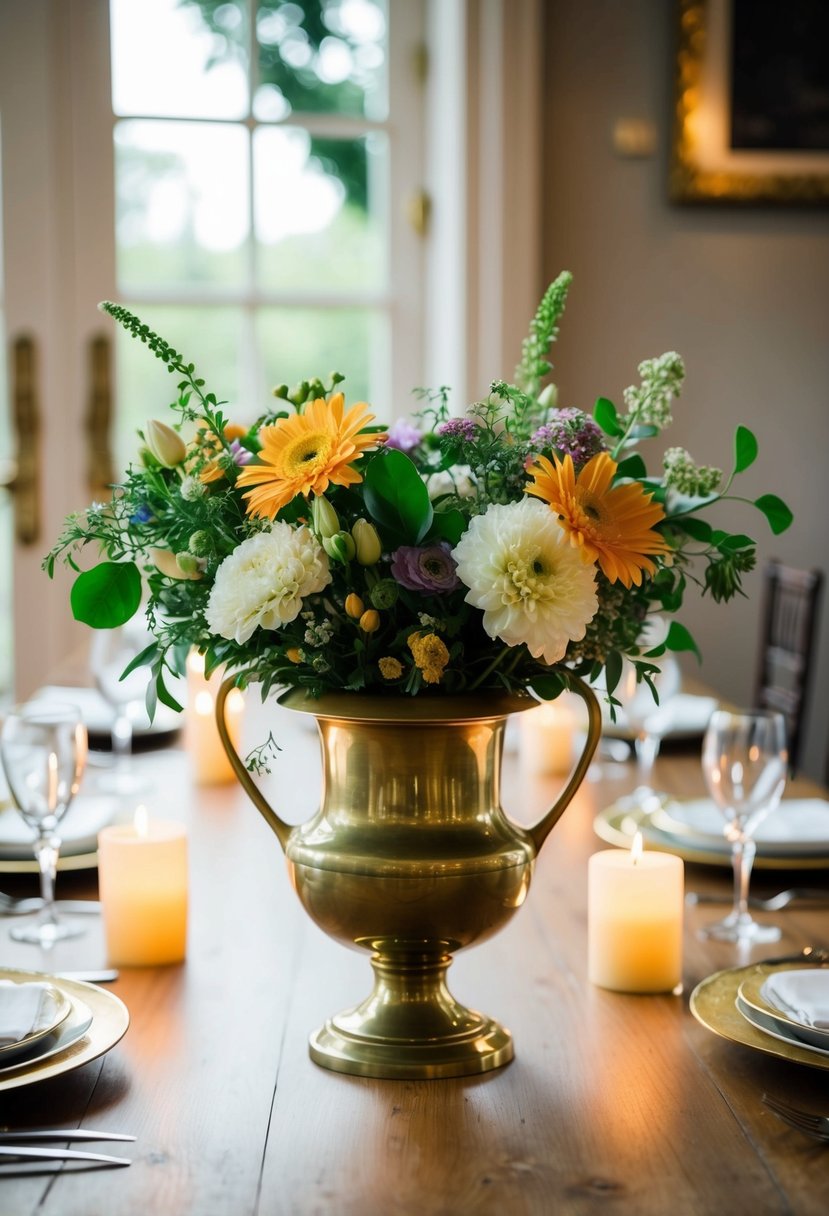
(611, 525)
(306, 453)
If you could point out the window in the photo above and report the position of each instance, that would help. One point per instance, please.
(259, 190)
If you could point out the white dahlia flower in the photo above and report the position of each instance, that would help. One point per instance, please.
(532, 585)
(262, 583)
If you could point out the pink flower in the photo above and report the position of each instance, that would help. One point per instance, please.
(429, 569)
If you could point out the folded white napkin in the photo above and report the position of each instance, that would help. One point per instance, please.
(24, 1009)
(802, 995)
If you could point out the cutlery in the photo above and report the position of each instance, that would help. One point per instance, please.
(61, 1133)
(15, 1153)
(816, 1126)
(107, 976)
(10, 906)
(773, 904)
(809, 954)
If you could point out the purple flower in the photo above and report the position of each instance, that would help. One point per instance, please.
(241, 456)
(403, 435)
(429, 569)
(572, 433)
(462, 430)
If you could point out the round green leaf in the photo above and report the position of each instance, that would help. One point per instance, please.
(106, 596)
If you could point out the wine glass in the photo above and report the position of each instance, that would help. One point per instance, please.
(744, 761)
(43, 750)
(648, 720)
(111, 652)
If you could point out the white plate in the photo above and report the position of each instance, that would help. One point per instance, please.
(98, 715)
(28, 1012)
(78, 829)
(685, 715)
(777, 1030)
(70, 1031)
(797, 999)
(798, 825)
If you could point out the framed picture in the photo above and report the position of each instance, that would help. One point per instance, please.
(752, 102)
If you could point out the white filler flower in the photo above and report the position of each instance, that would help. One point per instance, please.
(264, 581)
(532, 585)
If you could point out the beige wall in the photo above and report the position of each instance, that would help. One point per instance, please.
(743, 295)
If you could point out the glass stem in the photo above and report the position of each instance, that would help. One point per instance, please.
(647, 749)
(122, 740)
(47, 851)
(742, 859)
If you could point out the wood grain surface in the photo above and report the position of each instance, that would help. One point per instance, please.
(614, 1103)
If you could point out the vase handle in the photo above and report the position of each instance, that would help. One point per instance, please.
(594, 730)
(277, 825)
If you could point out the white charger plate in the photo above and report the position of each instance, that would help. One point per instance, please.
(771, 1027)
(78, 830)
(798, 826)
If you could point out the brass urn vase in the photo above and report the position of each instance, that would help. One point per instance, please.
(410, 857)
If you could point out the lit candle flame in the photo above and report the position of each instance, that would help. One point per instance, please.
(637, 848)
(203, 703)
(51, 781)
(141, 821)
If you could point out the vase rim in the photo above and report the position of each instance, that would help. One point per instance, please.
(374, 707)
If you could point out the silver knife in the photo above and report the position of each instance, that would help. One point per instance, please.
(60, 1133)
(59, 1154)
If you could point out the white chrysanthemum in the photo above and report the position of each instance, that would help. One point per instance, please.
(532, 585)
(262, 583)
(458, 480)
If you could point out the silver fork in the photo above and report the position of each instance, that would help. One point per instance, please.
(773, 904)
(816, 1126)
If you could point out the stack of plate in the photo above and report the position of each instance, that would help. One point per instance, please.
(49, 1025)
(795, 835)
(79, 829)
(781, 1009)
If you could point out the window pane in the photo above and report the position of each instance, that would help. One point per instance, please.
(181, 204)
(168, 59)
(321, 56)
(320, 207)
(209, 337)
(297, 344)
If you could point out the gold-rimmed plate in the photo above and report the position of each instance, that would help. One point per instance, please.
(617, 824)
(714, 1005)
(110, 1019)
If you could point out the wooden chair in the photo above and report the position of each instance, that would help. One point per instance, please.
(785, 661)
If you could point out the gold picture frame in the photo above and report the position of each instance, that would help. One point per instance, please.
(704, 167)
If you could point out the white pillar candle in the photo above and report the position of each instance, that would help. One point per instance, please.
(142, 878)
(546, 739)
(209, 762)
(634, 912)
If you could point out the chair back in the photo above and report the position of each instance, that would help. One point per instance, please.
(785, 661)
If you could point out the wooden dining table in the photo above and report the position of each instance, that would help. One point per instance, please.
(614, 1102)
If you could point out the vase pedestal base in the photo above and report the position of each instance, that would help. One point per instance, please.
(411, 1027)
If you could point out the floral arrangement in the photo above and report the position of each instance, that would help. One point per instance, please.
(504, 549)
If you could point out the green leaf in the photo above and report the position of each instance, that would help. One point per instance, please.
(145, 658)
(679, 638)
(166, 697)
(745, 449)
(106, 596)
(549, 687)
(697, 529)
(449, 525)
(396, 497)
(739, 541)
(775, 511)
(633, 466)
(605, 414)
(613, 670)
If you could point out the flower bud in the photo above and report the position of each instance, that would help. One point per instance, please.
(325, 518)
(549, 396)
(354, 606)
(188, 564)
(367, 542)
(370, 621)
(164, 443)
(385, 593)
(293, 654)
(340, 546)
(166, 561)
(201, 543)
